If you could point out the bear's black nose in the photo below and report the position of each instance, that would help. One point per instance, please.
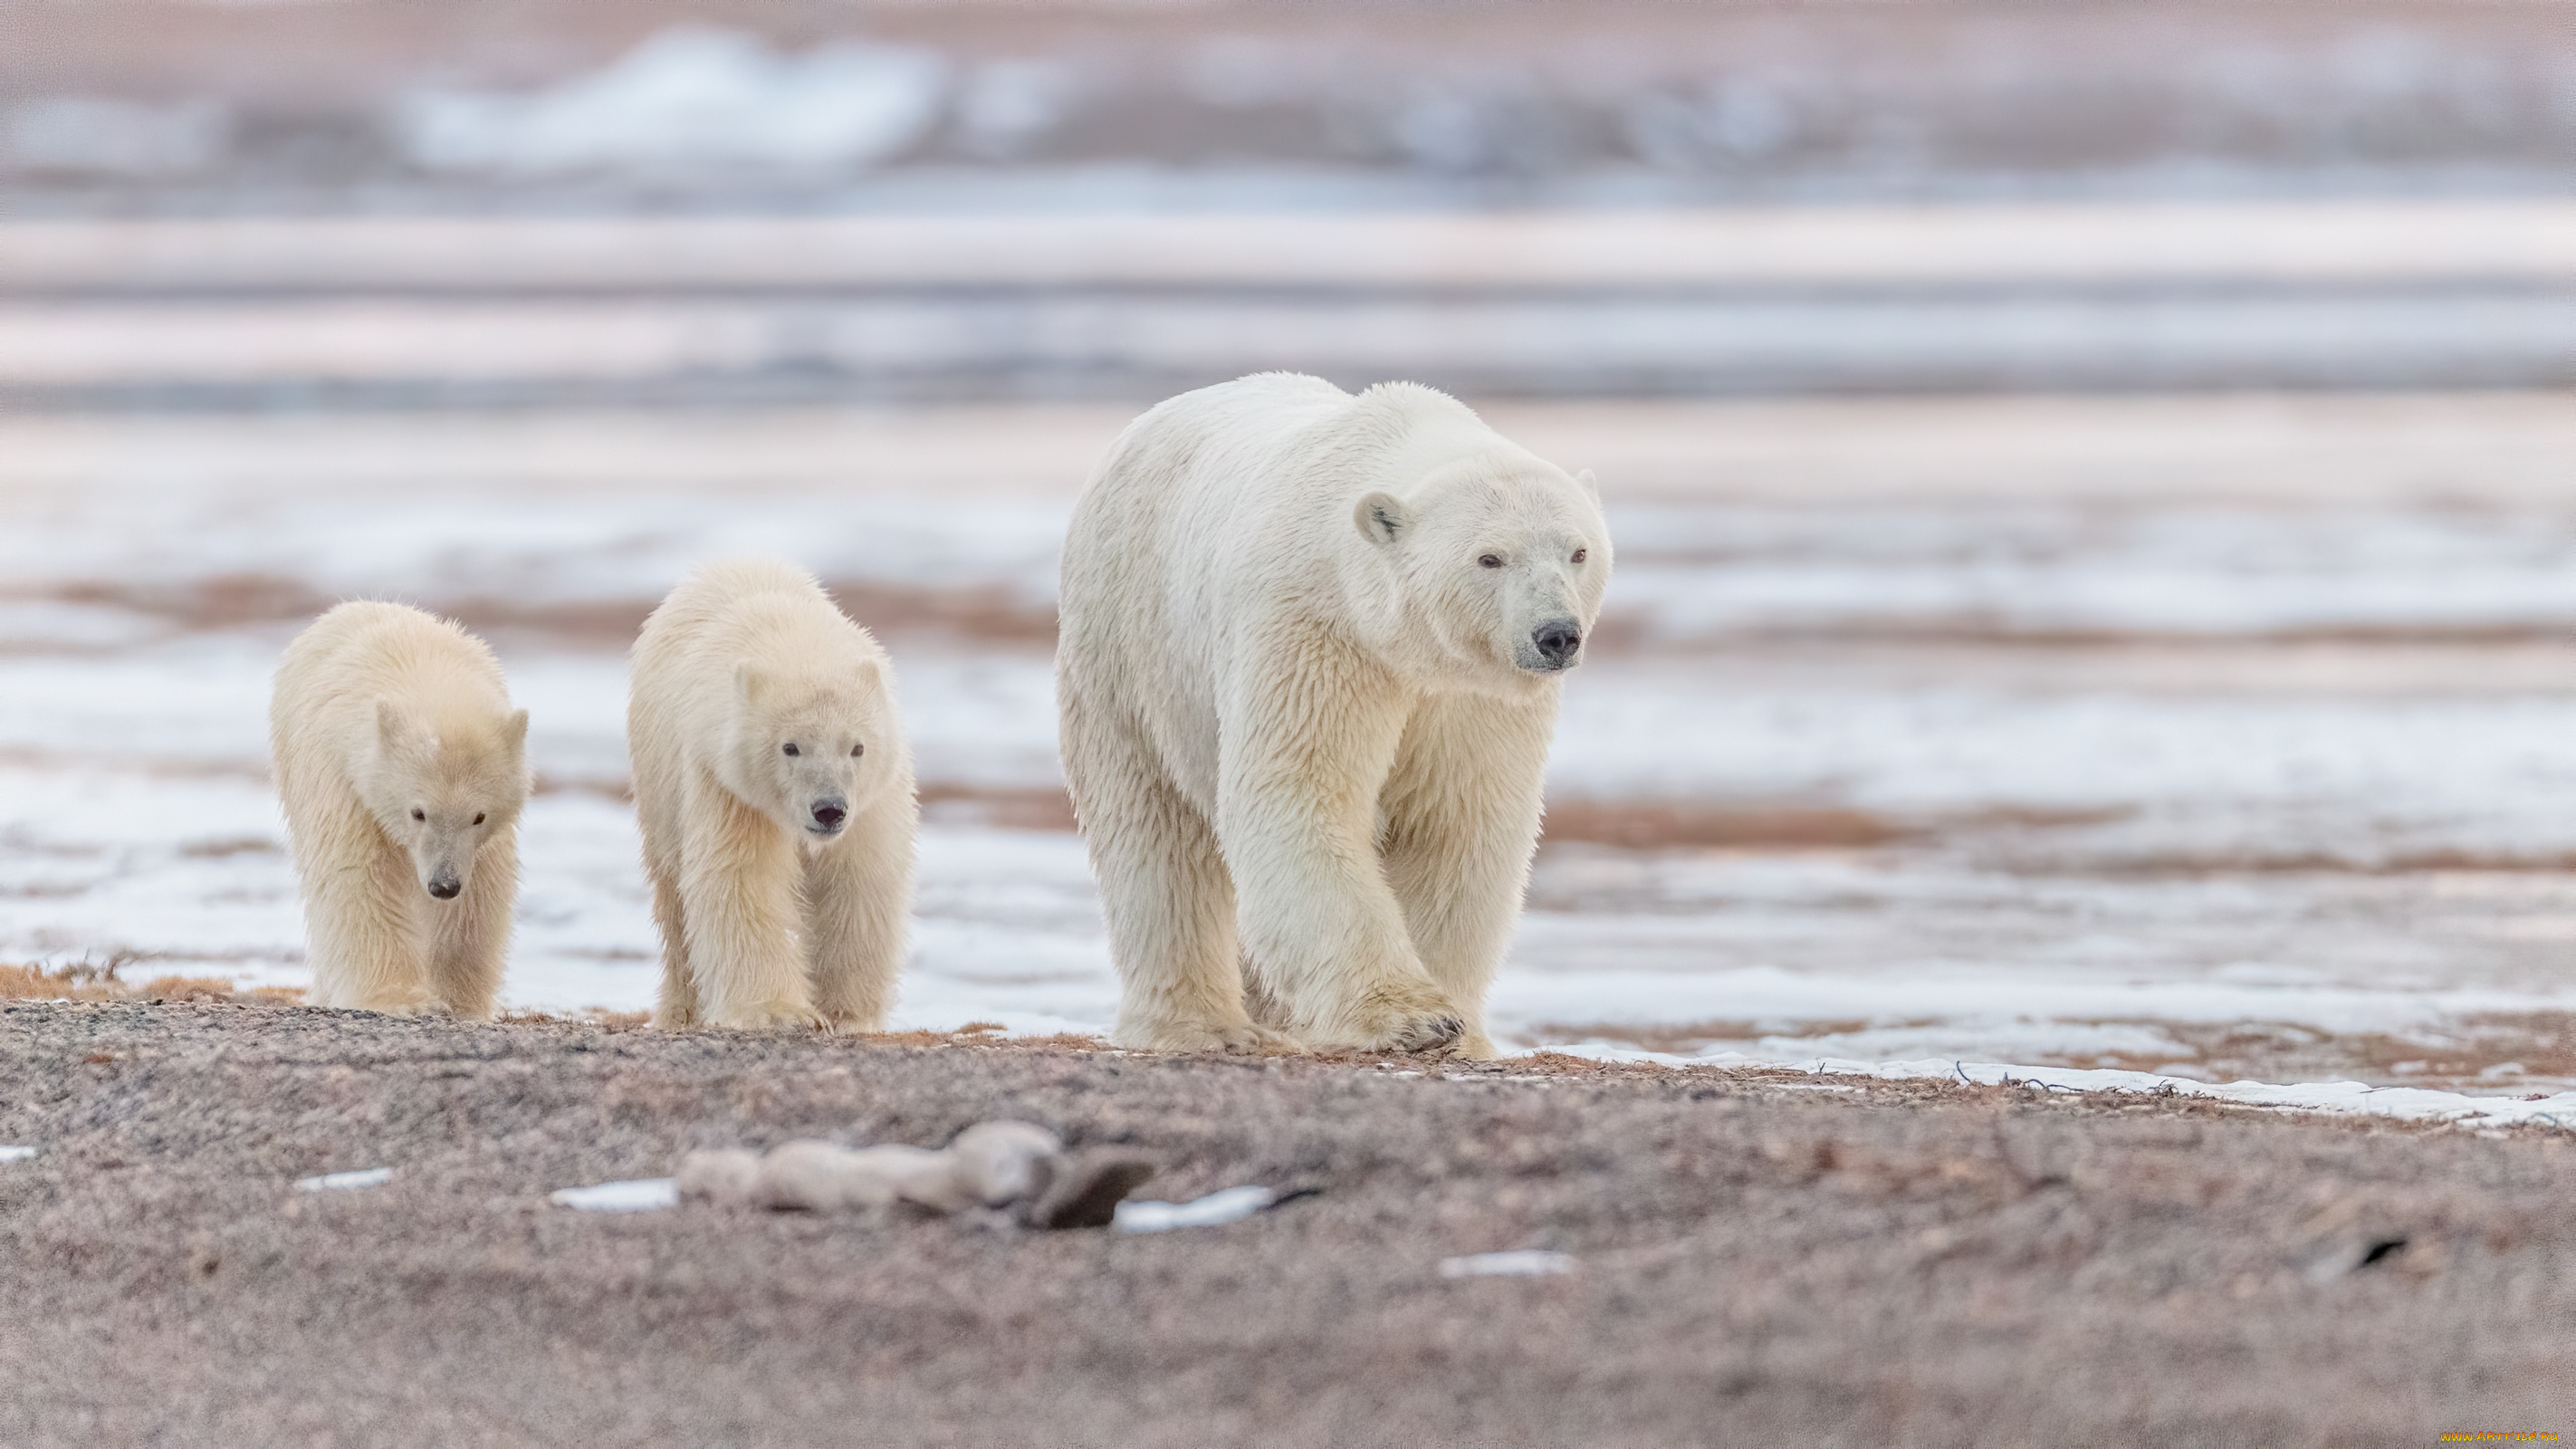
(445, 887)
(829, 814)
(1556, 640)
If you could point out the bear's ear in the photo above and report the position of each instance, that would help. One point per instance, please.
(1591, 486)
(747, 683)
(1382, 517)
(517, 731)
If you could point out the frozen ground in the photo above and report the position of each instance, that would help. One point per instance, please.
(2216, 738)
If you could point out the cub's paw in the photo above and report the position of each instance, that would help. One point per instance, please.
(767, 1016)
(1239, 1037)
(393, 1005)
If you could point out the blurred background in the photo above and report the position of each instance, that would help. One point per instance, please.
(2096, 483)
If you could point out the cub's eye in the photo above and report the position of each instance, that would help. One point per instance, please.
(857, 750)
(1579, 553)
(478, 817)
(787, 749)
(1490, 561)
(419, 814)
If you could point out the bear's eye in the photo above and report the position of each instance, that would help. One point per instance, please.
(1490, 561)
(1579, 553)
(478, 817)
(857, 750)
(419, 814)
(787, 749)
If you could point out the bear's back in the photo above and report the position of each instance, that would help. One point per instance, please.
(367, 648)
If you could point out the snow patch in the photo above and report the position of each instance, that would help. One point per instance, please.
(635, 1195)
(1228, 1205)
(2356, 1098)
(691, 101)
(337, 1181)
(102, 136)
(1516, 1263)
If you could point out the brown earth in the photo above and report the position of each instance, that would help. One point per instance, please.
(1757, 1260)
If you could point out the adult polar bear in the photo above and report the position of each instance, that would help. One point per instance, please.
(1310, 653)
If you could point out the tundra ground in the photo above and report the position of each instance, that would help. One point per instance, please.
(1758, 1257)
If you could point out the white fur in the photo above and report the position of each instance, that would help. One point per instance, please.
(402, 768)
(1302, 724)
(765, 921)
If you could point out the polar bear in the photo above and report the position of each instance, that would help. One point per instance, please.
(402, 768)
(774, 786)
(1308, 670)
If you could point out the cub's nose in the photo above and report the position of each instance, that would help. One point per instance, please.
(830, 815)
(445, 887)
(1556, 641)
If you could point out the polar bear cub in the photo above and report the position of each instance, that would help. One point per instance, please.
(402, 768)
(1310, 650)
(775, 790)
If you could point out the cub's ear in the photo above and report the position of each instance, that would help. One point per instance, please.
(517, 731)
(748, 683)
(1590, 485)
(1382, 517)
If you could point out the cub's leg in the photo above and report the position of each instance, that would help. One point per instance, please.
(360, 914)
(1164, 889)
(738, 904)
(858, 897)
(1460, 817)
(469, 935)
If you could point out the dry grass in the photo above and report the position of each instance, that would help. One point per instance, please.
(94, 981)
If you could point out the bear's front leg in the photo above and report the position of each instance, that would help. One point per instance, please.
(858, 897)
(739, 879)
(362, 904)
(469, 935)
(1298, 817)
(1461, 814)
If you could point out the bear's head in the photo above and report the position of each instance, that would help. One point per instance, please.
(1489, 568)
(440, 789)
(811, 752)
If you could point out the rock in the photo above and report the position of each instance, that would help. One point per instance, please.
(726, 1176)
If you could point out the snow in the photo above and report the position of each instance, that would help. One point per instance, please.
(2362, 242)
(1227, 1205)
(16, 1154)
(644, 1194)
(908, 342)
(341, 1181)
(102, 136)
(690, 101)
(1514, 1263)
(2348, 1098)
